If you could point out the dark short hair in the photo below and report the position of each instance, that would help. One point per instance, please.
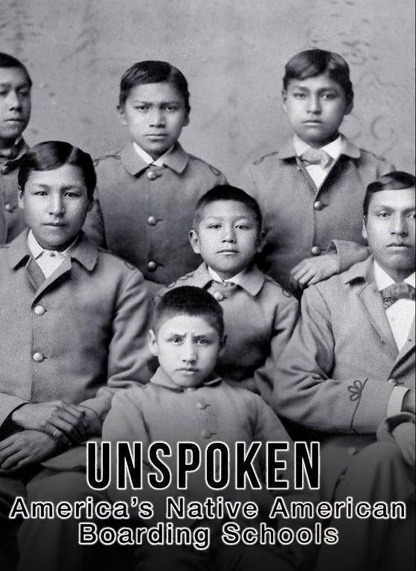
(152, 71)
(396, 180)
(226, 192)
(7, 60)
(192, 301)
(51, 155)
(311, 63)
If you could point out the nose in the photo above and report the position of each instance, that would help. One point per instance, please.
(314, 104)
(157, 117)
(228, 233)
(399, 225)
(189, 354)
(56, 205)
(14, 100)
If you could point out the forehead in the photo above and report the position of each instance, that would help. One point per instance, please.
(149, 92)
(227, 209)
(184, 324)
(13, 76)
(65, 175)
(403, 199)
(322, 81)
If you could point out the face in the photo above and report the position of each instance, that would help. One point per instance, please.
(315, 107)
(15, 103)
(55, 203)
(227, 237)
(390, 231)
(187, 348)
(154, 115)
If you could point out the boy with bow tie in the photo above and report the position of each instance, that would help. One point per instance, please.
(348, 374)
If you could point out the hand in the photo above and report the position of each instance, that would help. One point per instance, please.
(404, 435)
(313, 270)
(25, 448)
(58, 419)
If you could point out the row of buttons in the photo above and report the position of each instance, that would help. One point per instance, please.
(316, 250)
(38, 310)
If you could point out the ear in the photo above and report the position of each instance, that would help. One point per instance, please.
(261, 239)
(20, 198)
(152, 342)
(194, 240)
(90, 204)
(121, 115)
(222, 345)
(349, 107)
(284, 99)
(186, 119)
(364, 230)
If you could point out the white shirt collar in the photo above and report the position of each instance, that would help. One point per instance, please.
(334, 149)
(36, 249)
(383, 279)
(150, 160)
(237, 279)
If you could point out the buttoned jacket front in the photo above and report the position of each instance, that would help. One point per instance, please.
(76, 336)
(259, 317)
(12, 220)
(144, 213)
(300, 220)
(338, 371)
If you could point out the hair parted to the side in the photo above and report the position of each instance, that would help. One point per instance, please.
(396, 180)
(8, 61)
(192, 301)
(51, 155)
(311, 63)
(153, 71)
(226, 192)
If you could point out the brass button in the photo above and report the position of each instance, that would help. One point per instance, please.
(152, 266)
(392, 382)
(39, 310)
(38, 357)
(315, 251)
(318, 205)
(152, 220)
(4, 169)
(151, 175)
(218, 296)
(201, 406)
(9, 207)
(206, 434)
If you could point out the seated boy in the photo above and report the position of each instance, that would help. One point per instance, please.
(312, 189)
(259, 314)
(15, 107)
(185, 401)
(73, 322)
(348, 373)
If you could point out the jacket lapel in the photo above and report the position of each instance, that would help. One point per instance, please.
(63, 269)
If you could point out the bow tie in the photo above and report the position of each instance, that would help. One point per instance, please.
(395, 292)
(315, 157)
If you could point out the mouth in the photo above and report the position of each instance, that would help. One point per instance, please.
(55, 224)
(312, 122)
(398, 245)
(188, 370)
(228, 251)
(156, 136)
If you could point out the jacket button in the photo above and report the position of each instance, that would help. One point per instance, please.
(218, 296)
(351, 450)
(152, 266)
(38, 357)
(152, 220)
(9, 207)
(4, 169)
(315, 251)
(206, 434)
(151, 175)
(318, 205)
(39, 310)
(201, 406)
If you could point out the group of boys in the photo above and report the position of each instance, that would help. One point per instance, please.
(77, 317)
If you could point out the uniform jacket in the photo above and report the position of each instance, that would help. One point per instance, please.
(342, 363)
(144, 213)
(298, 217)
(76, 336)
(259, 319)
(12, 220)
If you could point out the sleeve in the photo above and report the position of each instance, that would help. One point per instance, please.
(286, 315)
(386, 427)
(129, 357)
(348, 253)
(304, 391)
(94, 223)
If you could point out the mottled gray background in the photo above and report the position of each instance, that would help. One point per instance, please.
(232, 53)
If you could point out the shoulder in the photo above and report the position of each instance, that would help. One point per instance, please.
(203, 166)
(267, 159)
(112, 157)
(114, 265)
(275, 294)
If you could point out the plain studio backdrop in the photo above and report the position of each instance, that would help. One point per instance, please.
(233, 54)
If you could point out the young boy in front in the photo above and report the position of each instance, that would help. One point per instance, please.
(15, 107)
(311, 191)
(186, 401)
(146, 192)
(73, 325)
(259, 314)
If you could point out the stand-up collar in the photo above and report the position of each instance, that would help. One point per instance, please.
(252, 280)
(176, 160)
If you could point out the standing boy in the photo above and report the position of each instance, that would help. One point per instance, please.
(348, 372)
(311, 191)
(146, 192)
(259, 314)
(73, 322)
(15, 107)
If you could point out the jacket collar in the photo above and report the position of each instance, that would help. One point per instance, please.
(176, 160)
(362, 271)
(21, 147)
(83, 251)
(252, 280)
(348, 149)
(161, 379)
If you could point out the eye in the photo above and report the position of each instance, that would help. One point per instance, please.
(329, 96)
(214, 226)
(172, 108)
(72, 194)
(243, 226)
(142, 108)
(40, 193)
(24, 92)
(176, 340)
(299, 95)
(383, 214)
(202, 341)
